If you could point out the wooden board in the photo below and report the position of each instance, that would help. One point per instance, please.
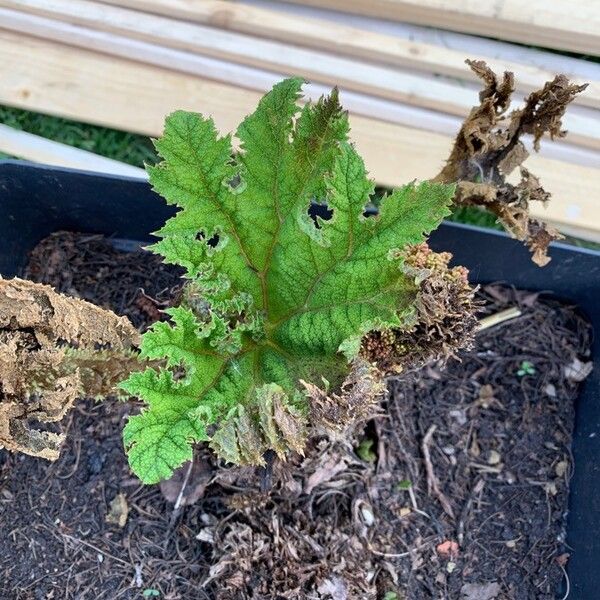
(561, 24)
(200, 41)
(244, 76)
(39, 149)
(57, 79)
(350, 41)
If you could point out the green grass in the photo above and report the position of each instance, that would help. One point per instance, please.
(137, 149)
(127, 147)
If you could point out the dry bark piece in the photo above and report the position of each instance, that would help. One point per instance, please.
(488, 148)
(54, 349)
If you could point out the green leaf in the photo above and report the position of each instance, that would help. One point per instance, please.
(273, 295)
(365, 450)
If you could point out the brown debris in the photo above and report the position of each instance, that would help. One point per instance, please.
(357, 400)
(488, 148)
(445, 316)
(41, 374)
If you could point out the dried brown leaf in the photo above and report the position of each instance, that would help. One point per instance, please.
(488, 148)
(357, 399)
(185, 487)
(269, 422)
(49, 357)
(324, 473)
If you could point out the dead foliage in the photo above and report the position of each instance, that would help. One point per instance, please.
(53, 349)
(309, 538)
(444, 323)
(445, 319)
(488, 148)
(358, 399)
(268, 422)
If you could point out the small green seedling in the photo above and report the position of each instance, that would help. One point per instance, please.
(526, 368)
(404, 485)
(365, 450)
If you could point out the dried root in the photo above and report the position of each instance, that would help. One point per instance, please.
(446, 321)
(488, 149)
(54, 349)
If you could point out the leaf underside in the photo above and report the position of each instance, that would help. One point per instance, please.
(274, 294)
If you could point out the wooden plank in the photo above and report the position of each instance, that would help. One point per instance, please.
(452, 40)
(582, 123)
(260, 80)
(57, 79)
(351, 41)
(572, 25)
(39, 149)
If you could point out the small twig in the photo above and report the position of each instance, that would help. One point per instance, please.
(388, 554)
(432, 482)
(177, 506)
(413, 501)
(477, 488)
(498, 318)
(99, 550)
(183, 486)
(568, 590)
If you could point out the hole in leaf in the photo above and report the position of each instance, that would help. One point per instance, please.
(235, 181)
(319, 211)
(236, 184)
(179, 373)
(212, 241)
(370, 210)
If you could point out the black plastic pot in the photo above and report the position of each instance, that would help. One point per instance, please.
(36, 201)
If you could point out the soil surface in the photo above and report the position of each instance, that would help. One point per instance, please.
(459, 490)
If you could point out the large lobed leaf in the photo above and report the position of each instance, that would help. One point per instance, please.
(274, 295)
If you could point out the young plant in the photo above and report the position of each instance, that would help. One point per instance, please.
(274, 295)
(288, 321)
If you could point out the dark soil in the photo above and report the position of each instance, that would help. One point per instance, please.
(458, 491)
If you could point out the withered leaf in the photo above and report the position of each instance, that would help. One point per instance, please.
(489, 147)
(49, 358)
(186, 487)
